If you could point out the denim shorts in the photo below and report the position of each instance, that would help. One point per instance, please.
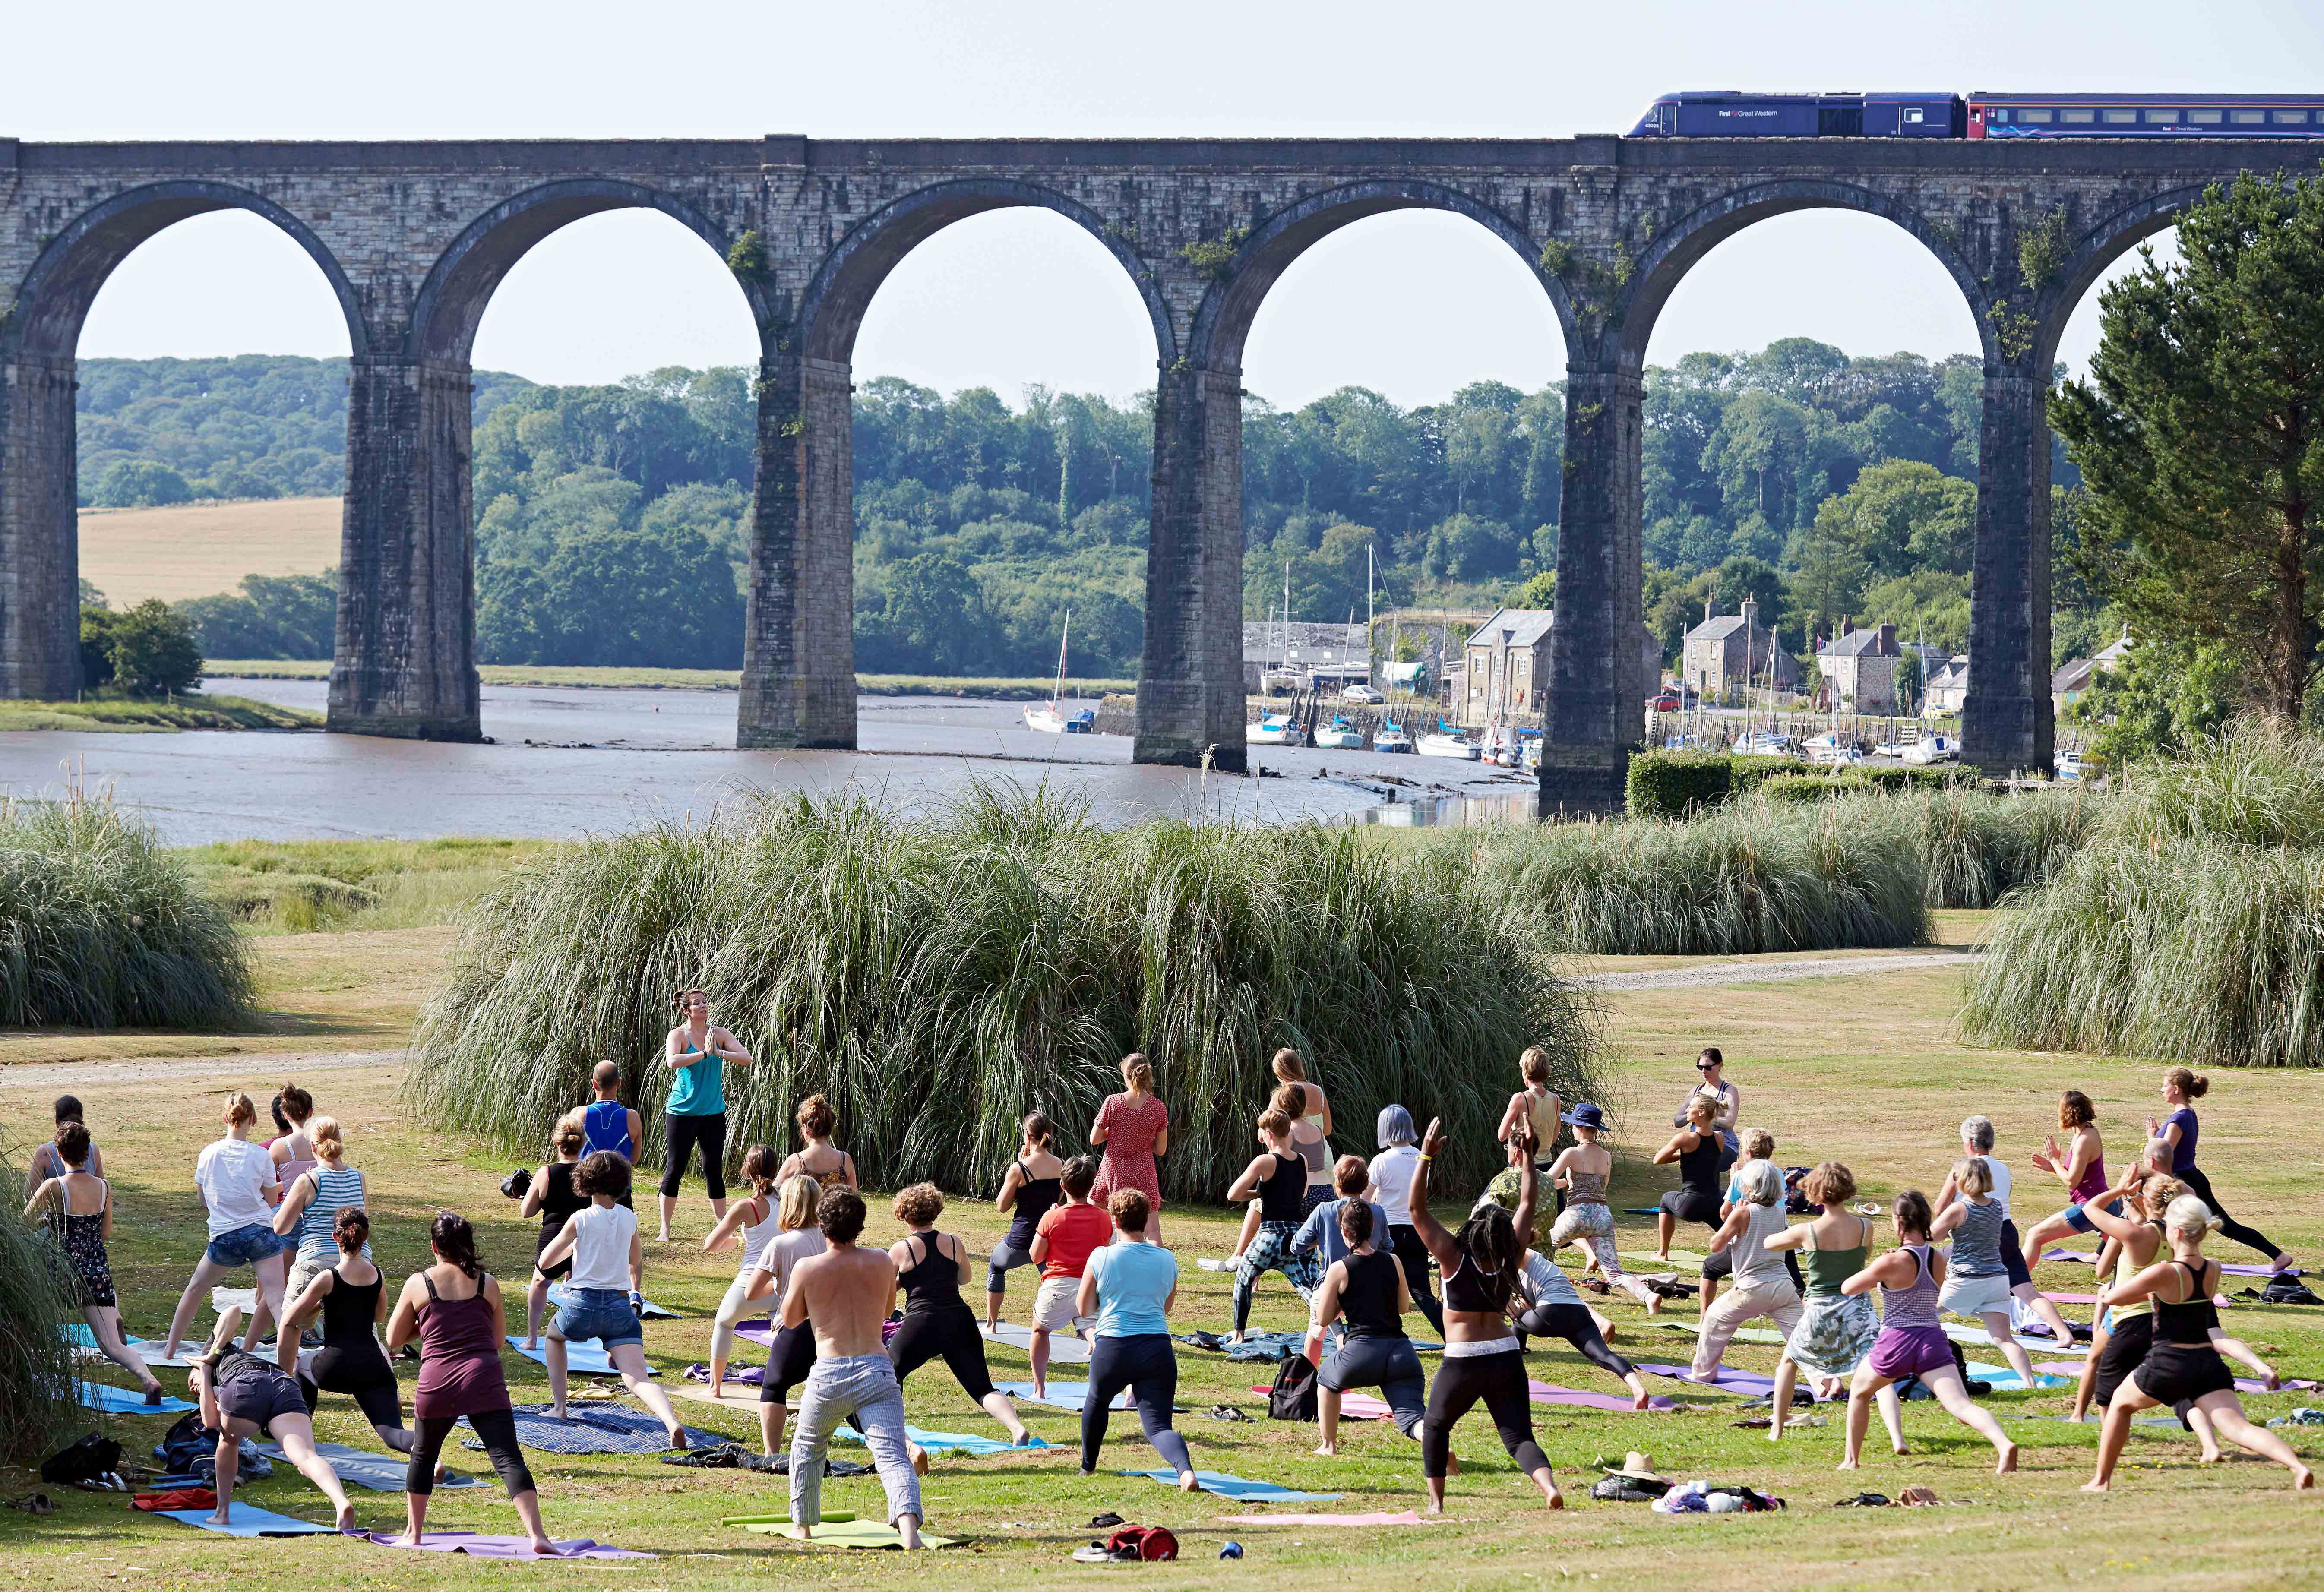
(602, 1314)
(2083, 1224)
(247, 1245)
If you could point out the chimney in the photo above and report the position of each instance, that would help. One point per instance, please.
(1707, 606)
(1847, 626)
(1750, 614)
(1888, 640)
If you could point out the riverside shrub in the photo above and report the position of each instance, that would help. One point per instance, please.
(1673, 785)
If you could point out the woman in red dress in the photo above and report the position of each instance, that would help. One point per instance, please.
(1133, 1128)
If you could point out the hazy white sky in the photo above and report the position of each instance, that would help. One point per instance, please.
(1412, 305)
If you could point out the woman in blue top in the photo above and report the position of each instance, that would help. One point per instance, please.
(2175, 1154)
(696, 1052)
(1129, 1286)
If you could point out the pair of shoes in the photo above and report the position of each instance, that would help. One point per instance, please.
(1226, 1413)
(1108, 1519)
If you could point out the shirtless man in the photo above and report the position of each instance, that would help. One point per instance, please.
(846, 1292)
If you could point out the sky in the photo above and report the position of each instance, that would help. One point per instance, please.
(1411, 305)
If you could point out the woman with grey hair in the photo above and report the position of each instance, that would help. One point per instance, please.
(2183, 1365)
(1761, 1285)
(1977, 1140)
(1391, 1190)
(1976, 1282)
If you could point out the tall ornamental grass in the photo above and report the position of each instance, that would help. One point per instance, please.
(938, 978)
(2191, 924)
(39, 1414)
(1977, 847)
(100, 928)
(1748, 876)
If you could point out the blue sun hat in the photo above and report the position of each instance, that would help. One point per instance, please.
(1584, 1116)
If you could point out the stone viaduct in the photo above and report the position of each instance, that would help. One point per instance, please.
(415, 237)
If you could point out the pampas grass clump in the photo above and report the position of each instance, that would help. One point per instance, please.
(938, 978)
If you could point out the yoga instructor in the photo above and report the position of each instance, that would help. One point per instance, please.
(696, 1052)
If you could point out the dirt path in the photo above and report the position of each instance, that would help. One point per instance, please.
(1767, 972)
(137, 1070)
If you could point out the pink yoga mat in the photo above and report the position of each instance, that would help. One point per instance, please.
(1383, 1517)
(1549, 1392)
(1353, 1406)
(2243, 1384)
(2069, 1298)
(503, 1547)
(2227, 1268)
(1727, 1379)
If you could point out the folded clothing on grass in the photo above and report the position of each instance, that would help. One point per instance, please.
(478, 1547)
(752, 1376)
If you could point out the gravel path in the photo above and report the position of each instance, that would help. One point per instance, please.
(1768, 972)
(136, 1070)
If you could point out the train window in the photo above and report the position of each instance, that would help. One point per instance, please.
(2207, 118)
(2247, 118)
(2041, 115)
(2292, 118)
(2156, 116)
(1999, 113)
(2120, 118)
(2071, 114)
(1914, 115)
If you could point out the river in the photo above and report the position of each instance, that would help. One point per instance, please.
(564, 762)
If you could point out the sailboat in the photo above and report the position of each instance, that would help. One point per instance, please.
(1445, 741)
(1050, 717)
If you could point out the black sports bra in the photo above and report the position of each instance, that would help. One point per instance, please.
(934, 1283)
(1467, 1288)
(2188, 1322)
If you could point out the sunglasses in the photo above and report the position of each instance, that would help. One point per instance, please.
(1704, 1066)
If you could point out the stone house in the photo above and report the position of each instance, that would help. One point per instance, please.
(1861, 667)
(1948, 687)
(1729, 650)
(1505, 666)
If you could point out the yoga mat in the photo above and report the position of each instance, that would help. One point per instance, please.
(1642, 1210)
(1063, 1395)
(1353, 1406)
(247, 1519)
(1678, 1257)
(948, 1442)
(2005, 1380)
(382, 1473)
(1729, 1380)
(1064, 1350)
(652, 1311)
(1381, 1517)
(1740, 1335)
(761, 1331)
(126, 1400)
(84, 1344)
(470, 1543)
(2243, 1384)
(1227, 1485)
(245, 1300)
(754, 1376)
(724, 1401)
(587, 1358)
(2069, 1298)
(851, 1533)
(1549, 1392)
(598, 1427)
(2227, 1268)
(828, 1517)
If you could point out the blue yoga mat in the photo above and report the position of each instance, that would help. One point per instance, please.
(127, 1401)
(2005, 1380)
(382, 1473)
(956, 1443)
(1063, 1395)
(1227, 1485)
(585, 1359)
(249, 1521)
(652, 1311)
(598, 1428)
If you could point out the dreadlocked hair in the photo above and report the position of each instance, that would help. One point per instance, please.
(1489, 1239)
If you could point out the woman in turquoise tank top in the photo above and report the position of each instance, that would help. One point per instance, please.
(696, 1053)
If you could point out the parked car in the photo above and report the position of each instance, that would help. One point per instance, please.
(1671, 699)
(1362, 693)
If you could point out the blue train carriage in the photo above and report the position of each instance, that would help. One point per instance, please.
(2145, 115)
(1729, 113)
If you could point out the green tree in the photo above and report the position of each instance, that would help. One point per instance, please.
(2160, 698)
(2200, 436)
(1830, 584)
(154, 650)
(1905, 516)
(271, 616)
(141, 484)
(96, 645)
(1539, 593)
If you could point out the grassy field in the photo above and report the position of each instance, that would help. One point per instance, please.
(1862, 1069)
(200, 712)
(199, 550)
(999, 688)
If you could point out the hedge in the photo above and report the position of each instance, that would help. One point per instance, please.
(1678, 784)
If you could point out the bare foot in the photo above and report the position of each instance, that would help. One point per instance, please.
(1846, 1465)
(412, 1539)
(1901, 1450)
(346, 1520)
(2008, 1464)
(1556, 1500)
(1328, 1451)
(663, 1237)
(1641, 1400)
(1654, 1304)
(1433, 1509)
(532, 1343)
(2094, 1486)
(920, 1460)
(1188, 1481)
(909, 1531)
(557, 1413)
(2282, 1263)
(544, 1547)
(1775, 1430)
(2210, 1457)
(1021, 1438)
(2303, 1480)
(677, 1437)
(222, 1517)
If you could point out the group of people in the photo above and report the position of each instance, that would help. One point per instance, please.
(1357, 1241)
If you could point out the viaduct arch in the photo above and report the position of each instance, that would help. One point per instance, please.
(414, 236)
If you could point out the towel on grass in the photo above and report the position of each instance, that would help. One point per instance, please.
(1741, 1334)
(1063, 1395)
(382, 1473)
(83, 1343)
(470, 1543)
(652, 1311)
(247, 1519)
(597, 1428)
(2002, 1379)
(746, 1402)
(1227, 1485)
(1064, 1350)
(948, 1442)
(587, 1357)
(1549, 1392)
(1380, 1517)
(126, 1401)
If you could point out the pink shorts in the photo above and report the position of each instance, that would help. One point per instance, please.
(1907, 1351)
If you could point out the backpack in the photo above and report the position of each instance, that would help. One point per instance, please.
(1293, 1396)
(2284, 1288)
(1147, 1543)
(90, 1459)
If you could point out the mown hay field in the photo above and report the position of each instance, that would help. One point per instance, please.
(201, 549)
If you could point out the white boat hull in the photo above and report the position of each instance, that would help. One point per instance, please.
(1340, 740)
(1448, 746)
(1393, 743)
(1270, 735)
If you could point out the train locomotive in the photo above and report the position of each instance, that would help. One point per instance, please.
(1729, 113)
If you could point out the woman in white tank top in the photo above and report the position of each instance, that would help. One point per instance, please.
(756, 1221)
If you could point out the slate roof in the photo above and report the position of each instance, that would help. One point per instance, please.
(1530, 625)
(1857, 644)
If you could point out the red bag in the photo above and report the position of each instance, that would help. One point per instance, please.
(1151, 1541)
(176, 1498)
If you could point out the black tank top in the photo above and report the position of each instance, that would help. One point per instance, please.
(1468, 1289)
(1369, 1300)
(1281, 1194)
(933, 1284)
(1698, 1168)
(1035, 1197)
(2188, 1324)
(349, 1311)
(556, 1206)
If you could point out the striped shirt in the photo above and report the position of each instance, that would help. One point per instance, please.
(335, 1186)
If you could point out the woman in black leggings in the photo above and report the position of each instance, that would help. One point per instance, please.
(930, 1267)
(1697, 1149)
(695, 1055)
(1368, 1287)
(2181, 1087)
(1481, 1264)
(1129, 1286)
(352, 1298)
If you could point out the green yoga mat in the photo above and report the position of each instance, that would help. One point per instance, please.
(828, 1517)
(851, 1533)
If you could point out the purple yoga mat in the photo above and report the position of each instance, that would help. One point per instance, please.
(2243, 1384)
(1549, 1392)
(1727, 1379)
(503, 1547)
(761, 1332)
(2227, 1268)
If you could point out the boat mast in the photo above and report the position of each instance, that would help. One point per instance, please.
(1057, 697)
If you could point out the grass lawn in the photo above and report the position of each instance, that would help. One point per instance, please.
(202, 711)
(1859, 1069)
